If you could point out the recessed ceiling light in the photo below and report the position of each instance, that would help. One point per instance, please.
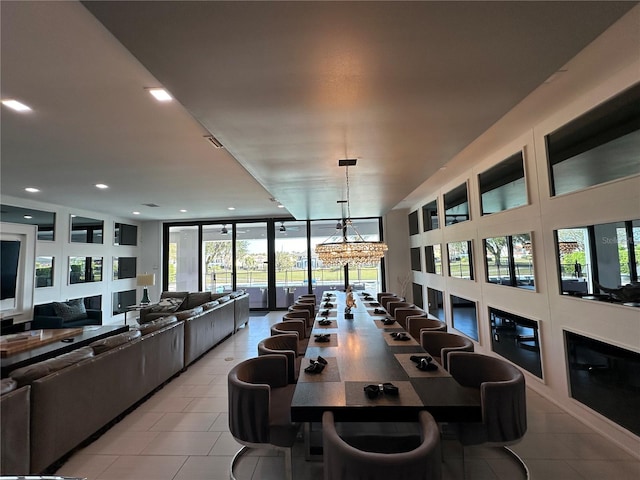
(28, 217)
(160, 94)
(101, 186)
(183, 211)
(231, 208)
(16, 105)
(136, 213)
(32, 190)
(280, 205)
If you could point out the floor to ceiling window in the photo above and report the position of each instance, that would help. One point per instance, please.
(217, 258)
(367, 278)
(252, 259)
(182, 268)
(292, 278)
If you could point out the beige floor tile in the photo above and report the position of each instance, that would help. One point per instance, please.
(208, 404)
(181, 443)
(215, 468)
(592, 446)
(554, 470)
(120, 443)
(144, 467)
(604, 469)
(165, 405)
(138, 421)
(221, 424)
(185, 422)
(542, 422)
(86, 466)
(543, 446)
(225, 446)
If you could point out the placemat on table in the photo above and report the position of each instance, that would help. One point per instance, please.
(333, 341)
(355, 395)
(413, 371)
(392, 342)
(331, 372)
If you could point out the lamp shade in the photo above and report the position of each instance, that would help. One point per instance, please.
(146, 280)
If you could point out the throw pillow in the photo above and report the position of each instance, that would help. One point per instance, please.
(70, 311)
(167, 305)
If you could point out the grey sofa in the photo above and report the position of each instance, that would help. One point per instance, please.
(68, 314)
(14, 416)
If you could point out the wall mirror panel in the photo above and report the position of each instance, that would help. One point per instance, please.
(456, 205)
(503, 187)
(509, 261)
(124, 234)
(460, 256)
(433, 259)
(416, 262)
(417, 295)
(597, 147)
(85, 269)
(414, 227)
(435, 303)
(124, 267)
(45, 221)
(122, 300)
(464, 316)
(44, 271)
(430, 219)
(600, 262)
(517, 339)
(86, 230)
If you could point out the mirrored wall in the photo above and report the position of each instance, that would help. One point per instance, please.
(86, 230)
(45, 221)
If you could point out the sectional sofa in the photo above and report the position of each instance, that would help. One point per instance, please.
(50, 408)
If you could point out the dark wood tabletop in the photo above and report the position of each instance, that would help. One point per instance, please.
(362, 352)
(76, 338)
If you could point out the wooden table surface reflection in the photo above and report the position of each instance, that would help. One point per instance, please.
(361, 352)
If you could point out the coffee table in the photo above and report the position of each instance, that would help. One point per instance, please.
(27, 348)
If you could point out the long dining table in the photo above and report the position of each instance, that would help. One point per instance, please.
(363, 351)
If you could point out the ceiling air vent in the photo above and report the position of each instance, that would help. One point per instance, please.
(152, 205)
(214, 141)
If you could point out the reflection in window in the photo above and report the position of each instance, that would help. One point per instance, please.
(122, 300)
(460, 259)
(430, 216)
(456, 205)
(44, 271)
(124, 267)
(604, 377)
(46, 221)
(600, 262)
(217, 258)
(503, 187)
(464, 317)
(597, 147)
(125, 234)
(292, 279)
(414, 228)
(416, 263)
(433, 259)
(509, 260)
(417, 295)
(325, 278)
(86, 230)
(183, 259)
(368, 278)
(516, 338)
(435, 304)
(85, 269)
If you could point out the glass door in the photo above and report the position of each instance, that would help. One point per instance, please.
(323, 277)
(217, 258)
(183, 259)
(292, 279)
(252, 272)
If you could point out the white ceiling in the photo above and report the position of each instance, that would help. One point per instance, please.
(289, 88)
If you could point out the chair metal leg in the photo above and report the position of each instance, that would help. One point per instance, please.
(288, 462)
(235, 458)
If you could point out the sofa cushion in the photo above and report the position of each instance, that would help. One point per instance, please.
(100, 346)
(224, 299)
(174, 294)
(8, 385)
(168, 305)
(70, 311)
(196, 299)
(30, 373)
(183, 315)
(157, 324)
(209, 305)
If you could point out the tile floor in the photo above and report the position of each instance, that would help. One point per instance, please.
(181, 433)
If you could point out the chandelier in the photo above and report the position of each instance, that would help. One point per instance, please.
(346, 248)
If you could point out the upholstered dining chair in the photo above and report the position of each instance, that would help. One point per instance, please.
(307, 297)
(502, 398)
(379, 295)
(343, 461)
(300, 315)
(394, 306)
(309, 307)
(298, 326)
(418, 323)
(439, 344)
(387, 299)
(260, 407)
(285, 344)
(401, 314)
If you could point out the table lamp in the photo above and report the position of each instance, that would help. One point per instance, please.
(145, 280)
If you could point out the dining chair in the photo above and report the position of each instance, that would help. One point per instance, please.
(300, 315)
(417, 323)
(394, 306)
(402, 313)
(285, 344)
(308, 296)
(298, 326)
(387, 299)
(309, 307)
(439, 344)
(371, 458)
(379, 295)
(260, 407)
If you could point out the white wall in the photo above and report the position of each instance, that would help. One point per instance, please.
(397, 259)
(599, 72)
(61, 249)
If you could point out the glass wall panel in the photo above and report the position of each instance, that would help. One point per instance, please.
(456, 205)
(503, 186)
(44, 271)
(460, 259)
(217, 258)
(367, 278)
(46, 221)
(516, 338)
(430, 216)
(597, 147)
(322, 277)
(252, 262)
(292, 279)
(464, 316)
(183, 259)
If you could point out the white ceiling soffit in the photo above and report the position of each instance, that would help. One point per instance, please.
(288, 88)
